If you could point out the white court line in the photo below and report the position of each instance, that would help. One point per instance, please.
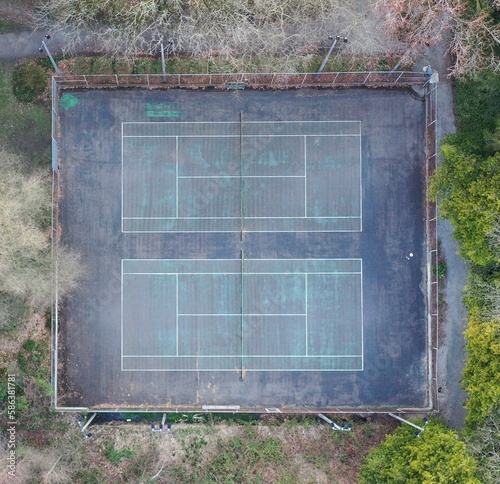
(309, 357)
(222, 177)
(251, 314)
(202, 315)
(238, 136)
(354, 217)
(362, 321)
(360, 182)
(304, 123)
(177, 314)
(281, 231)
(236, 273)
(333, 121)
(246, 369)
(123, 188)
(121, 317)
(266, 259)
(305, 176)
(177, 176)
(307, 312)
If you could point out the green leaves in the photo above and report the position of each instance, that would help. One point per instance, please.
(481, 376)
(467, 187)
(437, 456)
(468, 192)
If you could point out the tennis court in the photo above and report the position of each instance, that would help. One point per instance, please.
(243, 249)
(268, 176)
(248, 314)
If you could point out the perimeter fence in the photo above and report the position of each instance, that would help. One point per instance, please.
(246, 80)
(432, 244)
(373, 79)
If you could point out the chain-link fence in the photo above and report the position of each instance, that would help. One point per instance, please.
(278, 81)
(433, 275)
(255, 81)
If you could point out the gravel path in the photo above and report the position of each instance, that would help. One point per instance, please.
(25, 42)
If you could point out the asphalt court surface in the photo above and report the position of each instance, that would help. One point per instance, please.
(279, 176)
(246, 248)
(270, 315)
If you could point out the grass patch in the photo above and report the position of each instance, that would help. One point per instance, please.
(243, 459)
(92, 476)
(13, 310)
(82, 65)
(188, 65)
(25, 127)
(101, 65)
(121, 66)
(116, 456)
(7, 27)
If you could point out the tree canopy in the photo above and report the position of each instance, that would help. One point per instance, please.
(481, 376)
(468, 189)
(436, 456)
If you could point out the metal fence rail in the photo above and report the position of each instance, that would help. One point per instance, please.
(54, 240)
(273, 81)
(250, 80)
(55, 124)
(431, 235)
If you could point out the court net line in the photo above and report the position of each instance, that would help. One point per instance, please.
(242, 255)
(242, 214)
(242, 227)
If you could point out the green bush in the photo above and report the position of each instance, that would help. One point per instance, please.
(478, 112)
(481, 376)
(466, 187)
(28, 81)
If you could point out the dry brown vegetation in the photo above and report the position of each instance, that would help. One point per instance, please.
(284, 450)
(233, 30)
(474, 32)
(26, 258)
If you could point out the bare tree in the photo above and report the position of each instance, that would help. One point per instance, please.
(233, 30)
(484, 445)
(418, 24)
(475, 45)
(26, 265)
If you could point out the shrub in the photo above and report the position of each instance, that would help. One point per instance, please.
(481, 376)
(28, 81)
(436, 456)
